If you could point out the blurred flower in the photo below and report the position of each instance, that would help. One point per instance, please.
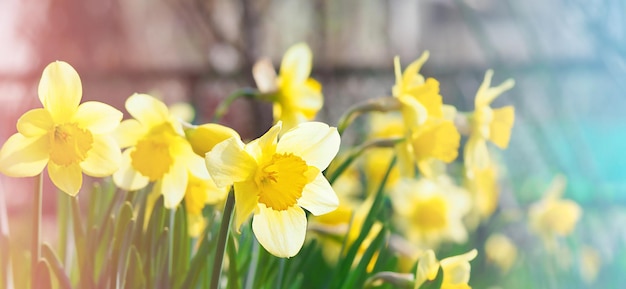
(376, 160)
(157, 151)
(553, 216)
(430, 211)
(456, 269)
(590, 263)
(201, 192)
(273, 178)
(487, 123)
(429, 129)
(68, 137)
(501, 251)
(482, 184)
(298, 97)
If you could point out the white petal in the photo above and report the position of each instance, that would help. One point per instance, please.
(318, 197)
(315, 142)
(174, 185)
(280, 232)
(229, 163)
(127, 177)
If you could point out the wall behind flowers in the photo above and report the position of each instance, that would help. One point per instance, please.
(567, 58)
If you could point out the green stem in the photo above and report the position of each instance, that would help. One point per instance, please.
(382, 104)
(36, 236)
(221, 241)
(354, 154)
(222, 108)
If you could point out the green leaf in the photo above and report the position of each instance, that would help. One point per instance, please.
(356, 278)
(58, 270)
(42, 271)
(135, 278)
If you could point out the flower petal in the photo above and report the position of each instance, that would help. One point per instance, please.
(264, 75)
(296, 64)
(318, 197)
(129, 132)
(246, 201)
(24, 157)
(475, 153)
(426, 268)
(229, 163)
(104, 157)
(266, 144)
(315, 142)
(413, 112)
(98, 117)
(35, 122)
(280, 232)
(148, 110)
(68, 179)
(500, 128)
(60, 90)
(174, 185)
(126, 177)
(204, 137)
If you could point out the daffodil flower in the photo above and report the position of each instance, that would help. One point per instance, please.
(275, 178)
(456, 270)
(157, 151)
(429, 129)
(69, 137)
(501, 251)
(430, 211)
(298, 97)
(487, 123)
(199, 193)
(553, 216)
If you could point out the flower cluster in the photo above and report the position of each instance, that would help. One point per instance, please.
(402, 192)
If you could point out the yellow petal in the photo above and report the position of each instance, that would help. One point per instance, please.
(486, 94)
(148, 110)
(406, 159)
(35, 122)
(315, 142)
(228, 162)
(204, 137)
(98, 117)
(280, 232)
(476, 155)
(24, 157)
(104, 157)
(60, 90)
(246, 201)
(174, 185)
(195, 165)
(438, 140)
(427, 268)
(456, 269)
(413, 112)
(412, 71)
(309, 99)
(126, 177)
(428, 96)
(182, 111)
(500, 131)
(129, 132)
(264, 75)
(296, 63)
(68, 179)
(318, 197)
(266, 144)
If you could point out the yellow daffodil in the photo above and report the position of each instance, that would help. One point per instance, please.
(157, 151)
(487, 123)
(501, 251)
(552, 216)
(69, 137)
(456, 270)
(298, 97)
(275, 178)
(430, 211)
(429, 129)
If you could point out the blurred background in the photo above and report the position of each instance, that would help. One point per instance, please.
(568, 59)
